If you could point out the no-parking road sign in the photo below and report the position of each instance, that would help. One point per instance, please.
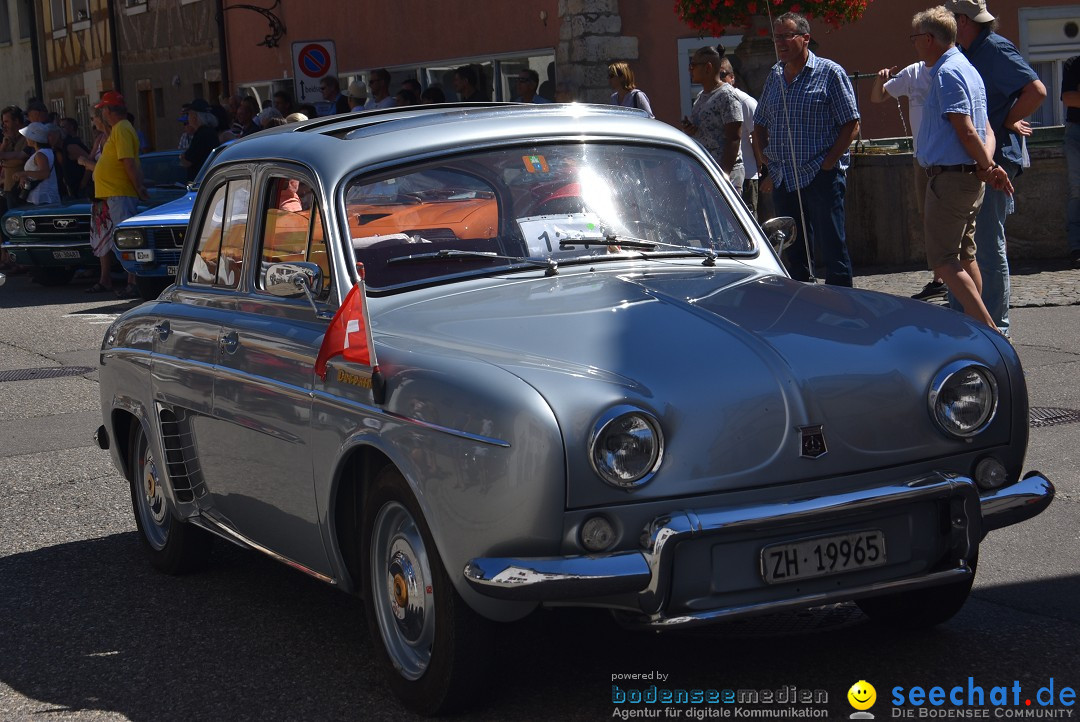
(312, 61)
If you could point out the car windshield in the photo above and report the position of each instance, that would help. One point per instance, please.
(512, 207)
(160, 170)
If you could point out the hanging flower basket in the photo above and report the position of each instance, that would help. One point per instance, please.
(715, 17)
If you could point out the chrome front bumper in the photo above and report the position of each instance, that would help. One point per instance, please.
(645, 575)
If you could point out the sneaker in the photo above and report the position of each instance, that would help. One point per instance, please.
(934, 289)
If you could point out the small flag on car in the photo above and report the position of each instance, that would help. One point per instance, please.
(349, 333)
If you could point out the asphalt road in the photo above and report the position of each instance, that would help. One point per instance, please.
(88, 631)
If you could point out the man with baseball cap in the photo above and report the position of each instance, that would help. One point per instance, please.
(118, 186)
(1013, 92)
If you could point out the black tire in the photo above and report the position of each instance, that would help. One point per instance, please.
(151, 287)
(53, 275)
(921, 608)
(173, 546)
(457, 643)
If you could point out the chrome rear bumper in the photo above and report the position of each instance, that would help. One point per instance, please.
(645, 574)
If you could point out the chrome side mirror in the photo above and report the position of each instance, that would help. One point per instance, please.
(781, 232)
(291, 280)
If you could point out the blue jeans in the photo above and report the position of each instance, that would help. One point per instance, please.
(823, 204)
(1072, 161)
(990, 253)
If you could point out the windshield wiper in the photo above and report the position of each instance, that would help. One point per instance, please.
(550, 265)
(616, 239)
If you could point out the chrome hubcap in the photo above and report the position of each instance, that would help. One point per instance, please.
(153, 508)
(402, 592)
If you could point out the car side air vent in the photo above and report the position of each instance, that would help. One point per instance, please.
(366, 218)
(181, 461)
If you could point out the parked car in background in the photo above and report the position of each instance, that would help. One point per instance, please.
(53, 241)
(578, 375)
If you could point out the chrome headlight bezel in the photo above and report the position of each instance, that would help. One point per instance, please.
(615, 421)
(29, 225)
(130, 238)
(13, 226)
(942, 392)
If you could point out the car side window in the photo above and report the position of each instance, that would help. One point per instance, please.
(219, 255)
(292, 229)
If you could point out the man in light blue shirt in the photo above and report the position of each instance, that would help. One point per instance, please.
(956, 153)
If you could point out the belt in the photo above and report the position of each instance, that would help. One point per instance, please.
(933, 170)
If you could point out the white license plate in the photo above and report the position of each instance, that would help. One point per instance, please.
(170, 270)
(822, 556)
(65, 254)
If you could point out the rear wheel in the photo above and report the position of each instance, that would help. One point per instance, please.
(174, 547)
(437, 650)
(53, 275)
(921, 608)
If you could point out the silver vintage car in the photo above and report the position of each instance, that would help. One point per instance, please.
(595, 385)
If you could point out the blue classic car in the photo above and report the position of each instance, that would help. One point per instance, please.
(53, 241)
(149, 243)
(470, 360)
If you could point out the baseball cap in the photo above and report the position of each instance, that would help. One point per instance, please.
(111, 97)
(974, 9)
(198, 105)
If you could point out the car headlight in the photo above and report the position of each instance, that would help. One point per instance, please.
(30, 225)
(963, 398)
(13, 226)
(626, 447)
(130, 238)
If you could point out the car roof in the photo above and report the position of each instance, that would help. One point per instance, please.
(335, 145)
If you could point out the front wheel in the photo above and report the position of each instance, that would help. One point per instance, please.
(174, 547)
(921, 608)
(436, 649)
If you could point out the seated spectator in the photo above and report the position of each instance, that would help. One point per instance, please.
(356, 95)
(333, 100)
(433, 94)
(283, 102)
(406, 97)
(527, 82)
(379, 84)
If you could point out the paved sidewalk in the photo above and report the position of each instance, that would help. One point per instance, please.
(1034, 283)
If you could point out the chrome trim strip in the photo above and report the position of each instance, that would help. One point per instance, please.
(809, 600)
(1016, 503)
(236, 537)
(377, 411)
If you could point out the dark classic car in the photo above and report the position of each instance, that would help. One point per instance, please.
(54, 240)
(466, 361)
(149, 244)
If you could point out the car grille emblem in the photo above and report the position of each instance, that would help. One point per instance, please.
(62, 223)
(812, 442)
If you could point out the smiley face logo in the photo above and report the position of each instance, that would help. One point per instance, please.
(862, 695)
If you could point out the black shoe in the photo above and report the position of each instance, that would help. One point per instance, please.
(934, 289)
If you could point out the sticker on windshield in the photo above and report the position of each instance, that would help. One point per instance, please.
(535, 163)
(543, 234)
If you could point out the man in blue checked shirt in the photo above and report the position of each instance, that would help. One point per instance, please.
(805, 121)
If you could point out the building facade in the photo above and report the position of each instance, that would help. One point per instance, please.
(17, 39)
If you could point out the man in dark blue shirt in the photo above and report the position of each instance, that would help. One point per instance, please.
(1013, 92)
(1070, 96)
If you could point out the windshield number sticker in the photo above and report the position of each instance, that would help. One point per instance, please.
(535, 163)
(544, 233)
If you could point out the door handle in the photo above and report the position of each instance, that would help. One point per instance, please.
(163, 330)
(229, 342)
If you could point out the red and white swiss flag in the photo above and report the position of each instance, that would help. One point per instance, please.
(349, 333)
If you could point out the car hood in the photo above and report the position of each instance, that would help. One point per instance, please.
(735, 364)
(174, 213)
